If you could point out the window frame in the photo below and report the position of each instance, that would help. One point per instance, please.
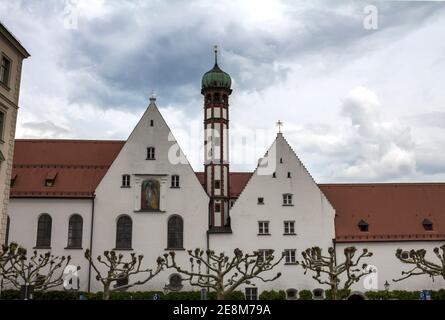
(290, 226)
(262, 227)
(175, 180)
(288, 199)
(251, 293)
(126, 181)
(151, 153)
(180, 230)
(43, 241)
(290, 256)
(120, 237)
(6, 84)
(71, 230)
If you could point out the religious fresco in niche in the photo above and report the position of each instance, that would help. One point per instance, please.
(151, 191)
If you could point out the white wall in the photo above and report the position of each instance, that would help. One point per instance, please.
(24, 214)
(150, 228)
(313, 215)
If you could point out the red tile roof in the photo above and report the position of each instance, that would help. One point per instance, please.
(394, 211)
(76, 165)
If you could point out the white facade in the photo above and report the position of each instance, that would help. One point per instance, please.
(278, 175)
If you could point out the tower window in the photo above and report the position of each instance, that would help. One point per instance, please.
(281, 160)
(125, 181)
(289, 175)
(287, 199)
(151, 123)
(217, 184)
(289, 227)
(427, 225)
(261, 200)
(150, 153)
(5, 69)
(274, 175)
(175, 181)
(363, 226)
(263, 227)
(217, 207)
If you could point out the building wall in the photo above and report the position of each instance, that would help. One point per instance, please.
(312, 213)
(389, 267)
(9, 100)
(150, 228)
(24, 214)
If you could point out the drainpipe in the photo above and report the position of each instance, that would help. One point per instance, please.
(91, 241)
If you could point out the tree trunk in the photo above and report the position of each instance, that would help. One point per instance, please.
(220, 295)
(334, 289)
(106, 295)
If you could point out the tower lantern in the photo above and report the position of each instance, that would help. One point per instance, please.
(216, 91)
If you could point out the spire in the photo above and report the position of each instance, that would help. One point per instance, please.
(215, 49)
(279, 125)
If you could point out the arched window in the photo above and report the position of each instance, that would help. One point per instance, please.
(124, 230)
(8, 222)
(175, 232)
(44, 231)
(75, 227)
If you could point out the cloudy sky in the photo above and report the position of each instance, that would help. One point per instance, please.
(358, 104)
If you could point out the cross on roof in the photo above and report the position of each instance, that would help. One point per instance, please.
(279, 125)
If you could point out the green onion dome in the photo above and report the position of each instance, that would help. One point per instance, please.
(216, 78)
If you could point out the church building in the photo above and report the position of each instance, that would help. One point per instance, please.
(142, 195)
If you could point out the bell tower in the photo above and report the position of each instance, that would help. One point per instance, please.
(216, 91)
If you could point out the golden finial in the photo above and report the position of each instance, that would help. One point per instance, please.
(279, 125)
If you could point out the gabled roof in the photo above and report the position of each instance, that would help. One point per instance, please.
(13, 40)
(78, 164)
(394, 211)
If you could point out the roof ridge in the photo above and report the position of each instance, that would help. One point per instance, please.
(69, 140)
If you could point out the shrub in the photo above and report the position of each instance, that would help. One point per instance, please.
(341, 294)
(273, 295)
(305, 295)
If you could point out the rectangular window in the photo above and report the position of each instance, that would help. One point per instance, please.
(290, 255)
(260, 200)
(5, 69)
(217, 207)
(150, 153)
(2, 124)
(287, 199)
(125, 180)
(264, 253)
(217, 184)
(151, 123)
(289, 227)
(175, 181)
(251, 293)
(263, 227)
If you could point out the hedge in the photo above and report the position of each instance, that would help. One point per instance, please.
(273, 295)
(133, 295)
(305, 295)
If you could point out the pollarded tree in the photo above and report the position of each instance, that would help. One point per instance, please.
(118, 271)
(223, 273)
(422, 266)
(329, 272)
(40, 271)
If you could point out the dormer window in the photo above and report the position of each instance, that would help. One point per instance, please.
(427, 225)
(363, 226)
(50, 178)
(13, 178)
(150, 153)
